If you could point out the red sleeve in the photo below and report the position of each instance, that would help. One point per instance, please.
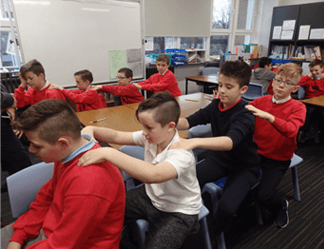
(163, 83)
(148, 81)
(55, 94)
(305, 80)
(87, 98)
(289, 128)
(124, 91)
(23, 97)
(28, 225)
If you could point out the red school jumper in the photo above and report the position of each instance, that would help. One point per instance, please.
(128, 94)
(166, 82)
(313, 87)
(86, 101)
(80, 207)
(277, 141)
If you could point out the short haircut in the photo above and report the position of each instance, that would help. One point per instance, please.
(164, 58)
(264, 61)
(290, 70)
(315, 62)
(166, 108)
(85, 75)
(52, 118)
(128, 72)
(238, 70)
(33, 66)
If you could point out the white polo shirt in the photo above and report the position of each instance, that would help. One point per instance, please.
(176, 195)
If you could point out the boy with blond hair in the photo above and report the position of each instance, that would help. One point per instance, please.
(233, 150)
(128, 92)
(164, 80)
(78, 207)
(86, 98)
(278, 119)
(33, 74)
(170, 200)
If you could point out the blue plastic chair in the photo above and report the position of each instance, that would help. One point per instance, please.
(301, 92)
(141, 225)
(254, 91)
(25, 184)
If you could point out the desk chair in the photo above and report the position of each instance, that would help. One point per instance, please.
(209, 71)
(254, 91)
(25, 184)
(141, 225)
(301, 93)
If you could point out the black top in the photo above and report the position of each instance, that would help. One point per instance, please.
(237, 123)
(6, 98)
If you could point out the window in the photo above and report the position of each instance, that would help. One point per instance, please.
(244, 20)
(242, 39)
(159, 44)
(192, 42)
(221, 14)
(218, 45)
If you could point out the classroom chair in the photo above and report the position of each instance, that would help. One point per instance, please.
(301, 93)
(295, 161)
(25, 184)
(254, 91)
(142, 226)
(209, 71)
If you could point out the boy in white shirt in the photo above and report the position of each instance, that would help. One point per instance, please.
(171, 199)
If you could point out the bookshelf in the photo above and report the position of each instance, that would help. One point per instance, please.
(195, 55)
(303, 14)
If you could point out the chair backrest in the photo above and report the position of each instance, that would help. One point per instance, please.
(254, 91)
(199, 131)
(25, 184)
(301, 92)
(134, 151)
(210, 70)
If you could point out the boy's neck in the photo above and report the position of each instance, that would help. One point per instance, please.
(161, 147)
(42, 86)
(76, 145)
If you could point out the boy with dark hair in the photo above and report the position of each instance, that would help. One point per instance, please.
(33, 75)
(278, 119)
(85, 97)
(79, 207)
(128, 92)
(170, 200)
(233, 150)
(263, 74)
(164, 80)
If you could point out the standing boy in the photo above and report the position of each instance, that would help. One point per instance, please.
(128, 92)
(264, 74)
(86, 98)
(33, 75)
(80, 207)
(164, 80)
(233, 151)
(278, 119)
(170, 200)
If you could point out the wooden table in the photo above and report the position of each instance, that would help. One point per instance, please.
(122, 118)
(205, 80)
(318, 101)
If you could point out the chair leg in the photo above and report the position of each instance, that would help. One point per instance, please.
(221, 241)
(142, 228)
(294, 176)
(205, 232)
(258, 212)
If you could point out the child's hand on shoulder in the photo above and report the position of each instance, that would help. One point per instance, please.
(57, 87)
(259, 113)
(138, 86)
(94, 156)
(183, 144)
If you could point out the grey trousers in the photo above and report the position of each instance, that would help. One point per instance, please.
(7, 232)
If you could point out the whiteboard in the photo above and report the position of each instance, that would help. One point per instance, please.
(68, 36)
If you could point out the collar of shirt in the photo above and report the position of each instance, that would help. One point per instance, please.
(46, 85)
(164, 72)
(83, 148)
(220, 106)
(318, 78)
(281, 100)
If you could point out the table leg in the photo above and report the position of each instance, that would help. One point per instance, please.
(186, 86)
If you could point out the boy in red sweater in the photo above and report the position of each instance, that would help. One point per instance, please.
(33, 75)
(86, 98)
(128, 92)
(278, 119)
(164, 80)
(80, 207)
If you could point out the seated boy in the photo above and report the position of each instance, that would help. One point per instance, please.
(170, 200)
(33, 74)
(128, 92)
(233, 150)
(278, 119)
(314, 81)
(79, 207)
(86, 98)
(164, 80)
(263, 74)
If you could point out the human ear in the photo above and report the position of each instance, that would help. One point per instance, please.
(63, 143)
(243, 89)
(172, 126)
(295, 89)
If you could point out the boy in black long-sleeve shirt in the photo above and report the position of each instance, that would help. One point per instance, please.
(233, 151)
